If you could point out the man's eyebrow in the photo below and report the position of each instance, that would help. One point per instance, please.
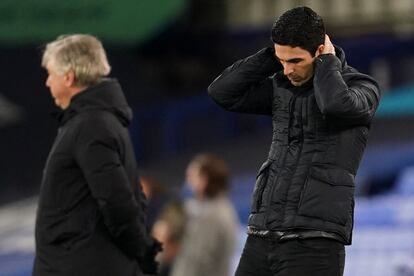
(293, 60)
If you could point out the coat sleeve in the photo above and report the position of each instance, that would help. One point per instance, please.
(246, 86)
(350, 96)
(98, 155)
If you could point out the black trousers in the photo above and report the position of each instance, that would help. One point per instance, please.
(298, 257)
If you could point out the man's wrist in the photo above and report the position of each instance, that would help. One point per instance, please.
(328, 61)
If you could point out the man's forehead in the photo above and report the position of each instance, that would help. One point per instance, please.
(285, 52)
(50, 66)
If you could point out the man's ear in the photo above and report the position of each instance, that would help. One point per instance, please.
(320, 49)
(69, 78)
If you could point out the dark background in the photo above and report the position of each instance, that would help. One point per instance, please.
(165, 76)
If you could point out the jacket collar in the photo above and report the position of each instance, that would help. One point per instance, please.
(106, 95)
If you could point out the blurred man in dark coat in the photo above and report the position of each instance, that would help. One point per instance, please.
(91, 214)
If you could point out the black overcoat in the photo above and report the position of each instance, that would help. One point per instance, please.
(90, 217)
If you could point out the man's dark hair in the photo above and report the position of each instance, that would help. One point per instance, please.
(299, 27)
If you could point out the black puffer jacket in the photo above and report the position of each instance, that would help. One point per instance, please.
(319, 134)
(90, 218)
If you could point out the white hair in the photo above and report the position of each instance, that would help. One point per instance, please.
(81, 53)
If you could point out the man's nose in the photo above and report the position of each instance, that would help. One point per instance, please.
(287, 69)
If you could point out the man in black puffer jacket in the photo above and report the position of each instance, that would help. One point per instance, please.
(303, 201)
(91, 212)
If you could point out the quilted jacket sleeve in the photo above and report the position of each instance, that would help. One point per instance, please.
(346, 94)
(246, 86)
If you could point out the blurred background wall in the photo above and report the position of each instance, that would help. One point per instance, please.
(165, 53)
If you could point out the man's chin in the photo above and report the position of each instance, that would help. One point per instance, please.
(296, 83)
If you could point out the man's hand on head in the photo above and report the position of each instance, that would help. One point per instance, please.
(328, 47)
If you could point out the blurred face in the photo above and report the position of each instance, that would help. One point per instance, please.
(196, 180)
(58, 85)
(297, 63)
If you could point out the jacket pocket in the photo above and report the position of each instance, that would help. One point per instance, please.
(328, 195)
(260, 185)
(74, 226)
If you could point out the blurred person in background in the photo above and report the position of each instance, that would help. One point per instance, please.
(157, 197)
(91, 214)
(211, 232)
(303, 201)
(406, 267)
(169, 230)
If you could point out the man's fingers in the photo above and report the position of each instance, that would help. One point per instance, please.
(327, 40)
(328, 46)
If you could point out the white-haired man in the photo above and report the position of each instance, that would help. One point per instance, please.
(91, 214)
